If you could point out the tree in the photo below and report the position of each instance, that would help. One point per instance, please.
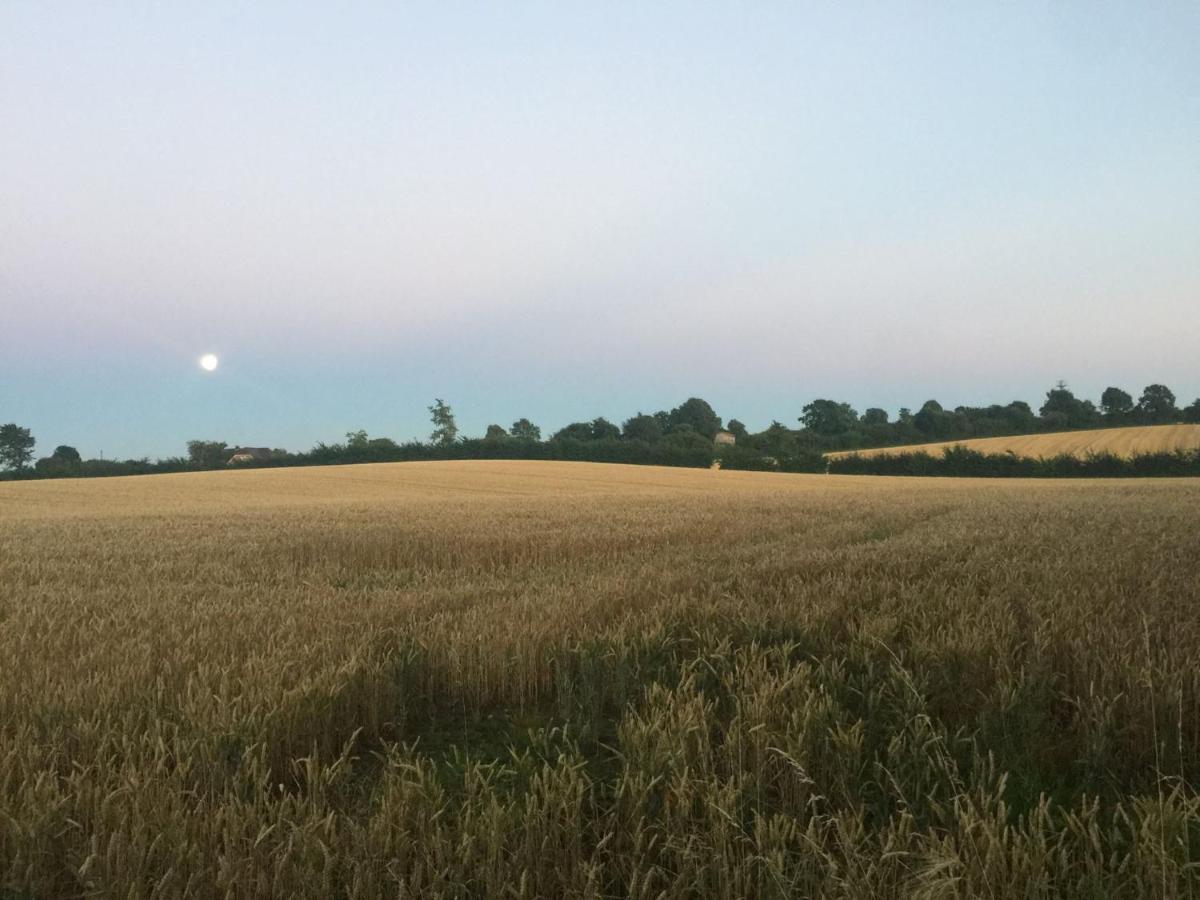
(1157, 403)
(66, 454)
(1192, 413)
(357, 440)
(525, 430)
(445, 429)
(643, 428)
(604, 430)
(577, 431)
(685, 437)
(596, 430)
(776, 440)
(1019, 416)
(696, 413)
(207, 454)
(737, 429)
(495, 433)
(829, 417)
(933, 421)
(1063, 409)
(63, 461)
(1115, 402)
(875, 416)
(16, 446)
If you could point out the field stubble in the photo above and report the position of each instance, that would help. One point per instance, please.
(556, 679)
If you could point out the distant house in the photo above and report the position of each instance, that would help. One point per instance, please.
(242, 455)
(724, 438)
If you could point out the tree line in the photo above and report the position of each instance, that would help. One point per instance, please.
(964, 462)
(681, 436)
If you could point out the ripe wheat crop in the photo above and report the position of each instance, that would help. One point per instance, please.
(519, 679)
(1134, 440)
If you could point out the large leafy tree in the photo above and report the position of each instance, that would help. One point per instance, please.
(829, 417)
(1018, 416)
(604, 430)
(1063, 409)
(643, 428)
(935, 422)
(928, 417)
(495, 433)
(445, 429)
(696, 413)
(686, 437)
(1115, 402)
(65, 460)
(525, 430)
(207, 454)
(16, 446)
(1157, 403)
(1192, 413)
(777, 440)
(875, 416)
(577, 431)
(66, 454)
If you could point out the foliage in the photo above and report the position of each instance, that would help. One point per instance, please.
(604, 430)
(66, 454)
(643, 428)
(1115, 402)
(599, 429)
(207, 454)
(696, 414)
(16, 446)
(1063, 410)
(1157, 404)
(576, 431)
(684, 436)
(831, 427)
(829, 417)
(962, 461)
(64, 462)
(445, 429)
(524, 430)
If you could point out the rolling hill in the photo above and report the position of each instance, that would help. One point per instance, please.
(1126, 442)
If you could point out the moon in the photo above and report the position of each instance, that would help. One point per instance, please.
(209, 362)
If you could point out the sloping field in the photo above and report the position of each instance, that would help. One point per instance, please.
(1131, 441)
(532, 679)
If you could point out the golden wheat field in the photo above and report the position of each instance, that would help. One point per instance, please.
(532, 679)
(1126, 442)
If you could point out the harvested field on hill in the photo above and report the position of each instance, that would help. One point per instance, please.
(1126, 442)
(531, 679)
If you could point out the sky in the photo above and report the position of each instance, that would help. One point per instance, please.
(559, 211)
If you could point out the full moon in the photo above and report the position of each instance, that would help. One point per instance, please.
(208, 362)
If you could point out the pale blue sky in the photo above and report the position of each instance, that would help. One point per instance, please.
(564, 210)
